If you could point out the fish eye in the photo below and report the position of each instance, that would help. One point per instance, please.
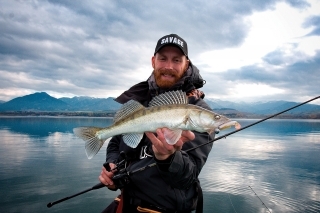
(217, 117)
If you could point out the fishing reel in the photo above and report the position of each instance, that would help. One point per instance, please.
(121, 175)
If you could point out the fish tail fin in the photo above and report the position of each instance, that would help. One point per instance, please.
(93, 143)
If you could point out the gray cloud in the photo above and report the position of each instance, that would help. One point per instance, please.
(314, 22)
(298, 3)
(301, 77)
(91, 45)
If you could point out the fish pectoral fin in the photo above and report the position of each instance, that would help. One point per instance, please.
(88, 134)
(172, 136)
(133, 139)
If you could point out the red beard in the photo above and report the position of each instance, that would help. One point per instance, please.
(167, 78)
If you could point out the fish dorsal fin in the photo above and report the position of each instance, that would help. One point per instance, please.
(127, 109)
(171, 97)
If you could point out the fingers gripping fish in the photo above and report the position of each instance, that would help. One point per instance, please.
(170, 110)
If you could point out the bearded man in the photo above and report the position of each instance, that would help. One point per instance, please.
(172, 185)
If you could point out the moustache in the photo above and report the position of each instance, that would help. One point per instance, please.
(167, 72)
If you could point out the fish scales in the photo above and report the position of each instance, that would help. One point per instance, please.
(162, 116)
(170, 110)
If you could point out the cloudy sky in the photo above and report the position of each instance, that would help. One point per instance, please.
(246, 50)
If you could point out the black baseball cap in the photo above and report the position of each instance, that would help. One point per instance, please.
(173, 40)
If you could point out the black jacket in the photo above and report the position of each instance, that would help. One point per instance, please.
(171, 183)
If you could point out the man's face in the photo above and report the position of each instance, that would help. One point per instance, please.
(169, 65)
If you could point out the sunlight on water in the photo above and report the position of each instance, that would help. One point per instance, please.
(281, 167)
(276, 162)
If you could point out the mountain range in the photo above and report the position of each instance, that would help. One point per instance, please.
(42, 102)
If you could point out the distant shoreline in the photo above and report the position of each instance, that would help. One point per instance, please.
(110, 114)
(59, 114)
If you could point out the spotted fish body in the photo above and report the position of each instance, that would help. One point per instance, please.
(170, 110)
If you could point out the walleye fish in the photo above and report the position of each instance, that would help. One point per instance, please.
(170, 109)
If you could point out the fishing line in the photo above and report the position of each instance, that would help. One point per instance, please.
(232, 204)
(260, 199)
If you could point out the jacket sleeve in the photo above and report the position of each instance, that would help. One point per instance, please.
(113, 149)
(182, 168)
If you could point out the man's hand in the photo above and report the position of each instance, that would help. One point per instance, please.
(162, 150)
(106, 177)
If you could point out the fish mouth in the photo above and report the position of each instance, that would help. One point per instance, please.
(229, 124)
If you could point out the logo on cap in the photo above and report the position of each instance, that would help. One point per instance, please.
(172, 40)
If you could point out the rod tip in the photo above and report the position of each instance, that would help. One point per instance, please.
(49, 205)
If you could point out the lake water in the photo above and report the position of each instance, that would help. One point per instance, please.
(275, 163)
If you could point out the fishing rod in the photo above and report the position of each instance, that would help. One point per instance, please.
(120, 178)
(119, 166)
(250, 125)
(97, 186)
(122, 175)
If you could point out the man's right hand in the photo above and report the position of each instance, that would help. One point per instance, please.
(106, 176)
